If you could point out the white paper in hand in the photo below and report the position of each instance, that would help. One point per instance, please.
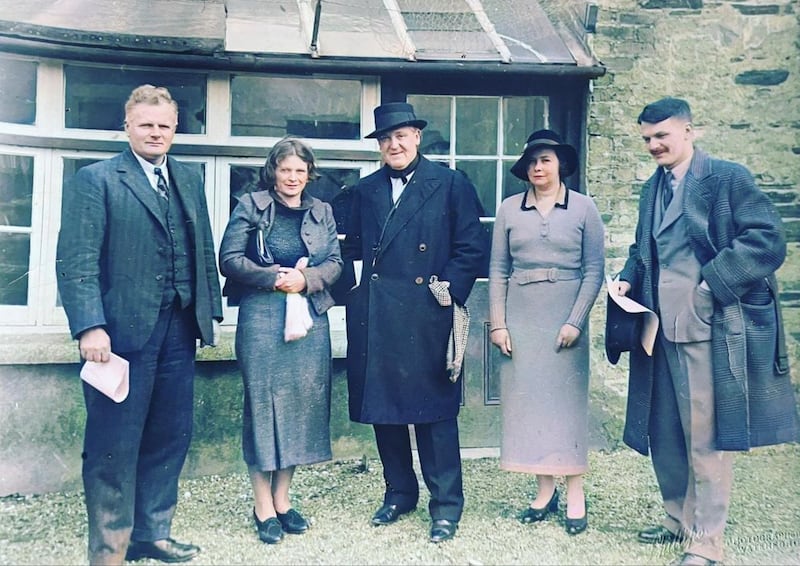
(110, 378)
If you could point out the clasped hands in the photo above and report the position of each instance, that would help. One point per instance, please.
(291, 279)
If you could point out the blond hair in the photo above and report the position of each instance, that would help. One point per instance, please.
(149, 94)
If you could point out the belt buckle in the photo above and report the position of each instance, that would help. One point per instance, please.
(552, 274)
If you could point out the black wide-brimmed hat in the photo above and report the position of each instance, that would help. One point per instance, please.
(393, 115)
(567, 155)
(623, 330)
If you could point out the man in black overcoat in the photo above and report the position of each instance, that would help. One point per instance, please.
(708, 243)
(411, 220)
(137, 276)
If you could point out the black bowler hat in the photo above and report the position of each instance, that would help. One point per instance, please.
(393, 115)
(623, 330)
(567, 156)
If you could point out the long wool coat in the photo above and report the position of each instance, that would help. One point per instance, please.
(397, 333)
(737, 236)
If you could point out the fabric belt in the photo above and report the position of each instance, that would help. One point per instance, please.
(552, 274)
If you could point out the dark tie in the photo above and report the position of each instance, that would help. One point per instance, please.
(666, 190)
(161, 183)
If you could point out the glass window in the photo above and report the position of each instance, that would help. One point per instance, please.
(490, 133)
(16, 206)
(17, 91)
(476, 126)
(523, 116)
(305, 107)
(95, 96)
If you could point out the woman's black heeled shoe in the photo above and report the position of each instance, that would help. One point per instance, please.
(577, 526)
(533, 515)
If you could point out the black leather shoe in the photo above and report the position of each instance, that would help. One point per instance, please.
(442, 530)
(293, 522)
(659, 535)
(388, 514)
(269, 531)
(577, 526)
(165, 550)
(534, 515)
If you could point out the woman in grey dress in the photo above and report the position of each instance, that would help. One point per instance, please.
(545, 272)
(280, 242)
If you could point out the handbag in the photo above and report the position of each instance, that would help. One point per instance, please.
(257, 250)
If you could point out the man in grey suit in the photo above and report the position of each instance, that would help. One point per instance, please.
(708, 242)
(137, 275)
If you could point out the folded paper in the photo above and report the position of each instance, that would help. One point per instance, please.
(110, 378)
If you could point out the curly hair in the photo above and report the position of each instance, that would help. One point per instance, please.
(284, 148)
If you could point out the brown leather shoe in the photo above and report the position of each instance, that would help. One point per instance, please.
(689, 559)
(659, 535)
(165, 550)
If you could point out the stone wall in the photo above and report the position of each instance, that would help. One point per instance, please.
(738, 66)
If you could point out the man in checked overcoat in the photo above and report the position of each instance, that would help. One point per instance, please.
(411, 220)
(708, 243)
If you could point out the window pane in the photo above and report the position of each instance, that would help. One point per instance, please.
(244, 179)
(15, 251)
(17, 91)
(436, 111)
(95, 96)
(310, 108)
(483, 175)
(476, 126)
(16, 190)
(511, 184)
(523, 116)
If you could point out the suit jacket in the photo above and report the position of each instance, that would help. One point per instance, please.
(738, 238)
(113, 251)
(397, 333)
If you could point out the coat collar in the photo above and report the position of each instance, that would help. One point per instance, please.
(264, 199)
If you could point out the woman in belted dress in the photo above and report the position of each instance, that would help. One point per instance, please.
(545, 273)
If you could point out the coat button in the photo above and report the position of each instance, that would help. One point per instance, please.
(419, 281)
(159, 277)
(423, 247)
(374, 277)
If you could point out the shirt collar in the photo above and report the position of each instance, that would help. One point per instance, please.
(562, 198)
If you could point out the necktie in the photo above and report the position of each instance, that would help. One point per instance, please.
(666, 190)
(161, 183)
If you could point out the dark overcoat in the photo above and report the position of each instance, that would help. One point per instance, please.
(397, 333)
(737, 236)
(113, 251)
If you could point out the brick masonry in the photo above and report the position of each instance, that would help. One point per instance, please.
(737, 63)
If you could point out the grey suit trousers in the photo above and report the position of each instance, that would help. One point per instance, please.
(695, 479)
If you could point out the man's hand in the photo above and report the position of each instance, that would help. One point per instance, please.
(624, 288)
(95, 345)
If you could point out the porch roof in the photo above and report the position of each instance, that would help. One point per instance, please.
(519, 35)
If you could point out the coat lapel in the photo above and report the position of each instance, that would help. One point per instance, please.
(132, 176)
(420, 188)
(179, 179)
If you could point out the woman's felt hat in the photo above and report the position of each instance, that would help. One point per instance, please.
(567, 155)
(393, 115)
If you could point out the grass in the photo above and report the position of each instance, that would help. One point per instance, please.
(340, 497)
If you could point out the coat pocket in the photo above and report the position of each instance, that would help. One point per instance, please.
(693, 323)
